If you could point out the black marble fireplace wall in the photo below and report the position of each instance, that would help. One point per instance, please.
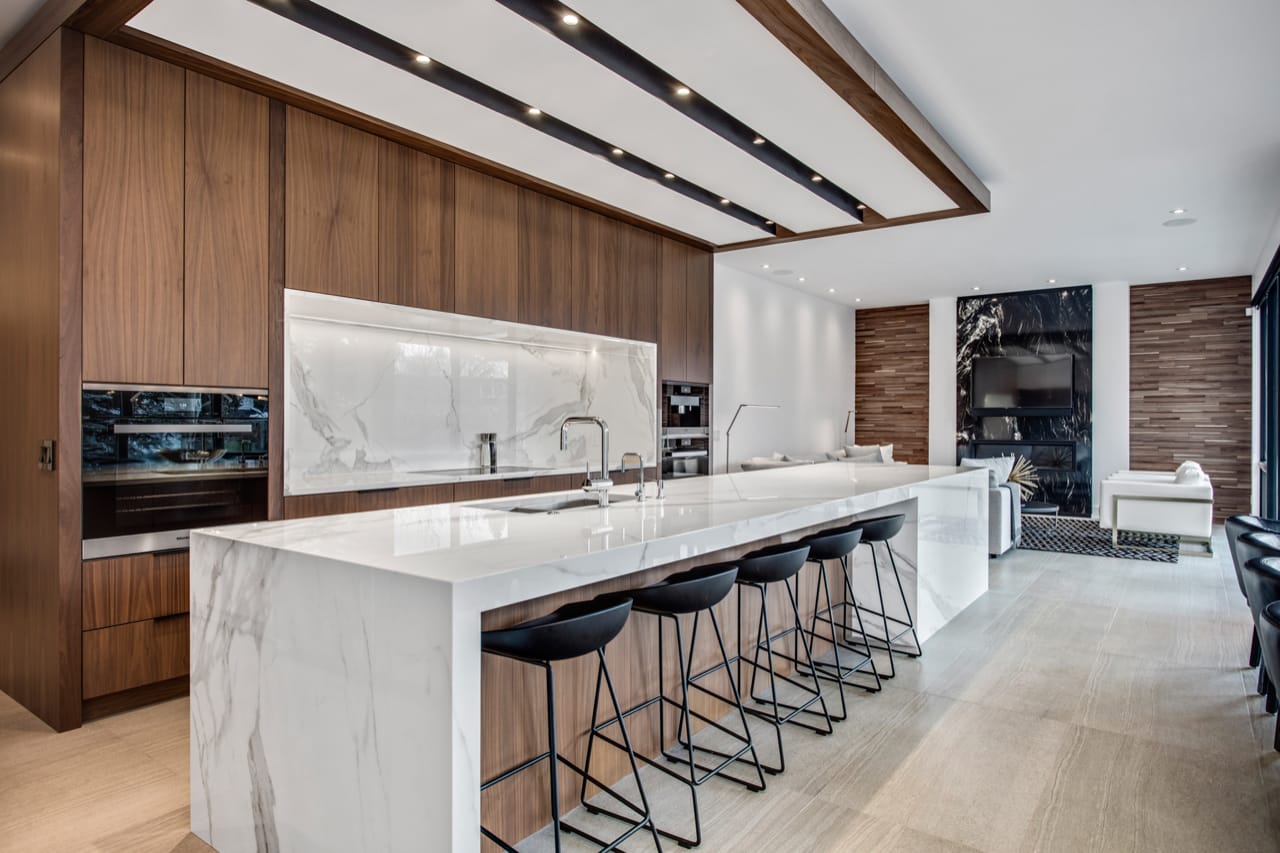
(1045, 322)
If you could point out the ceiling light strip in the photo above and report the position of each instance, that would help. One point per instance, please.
(358, 37)
(608, 51)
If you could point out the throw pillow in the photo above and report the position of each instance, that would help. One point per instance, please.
(835, 457)
(886, 453)
(1000, 466)
(777, 457)
(868, 456)
(1190, 475)
(859, 452)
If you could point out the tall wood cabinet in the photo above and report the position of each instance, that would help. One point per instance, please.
(415, 228)
(685, 333)
(486, 246)
(133, 217)
(175, 225)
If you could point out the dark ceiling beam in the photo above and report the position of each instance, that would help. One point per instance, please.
(95, 17)
(816, 36)
(871, 223)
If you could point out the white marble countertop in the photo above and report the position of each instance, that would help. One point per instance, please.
(381, 478)
(498, 557)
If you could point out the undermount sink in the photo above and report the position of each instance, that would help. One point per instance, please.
(480, 470)
(558, 503)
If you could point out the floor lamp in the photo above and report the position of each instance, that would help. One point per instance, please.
(729, 429)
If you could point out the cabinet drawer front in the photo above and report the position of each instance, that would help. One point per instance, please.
(135, 654)
(130, 589)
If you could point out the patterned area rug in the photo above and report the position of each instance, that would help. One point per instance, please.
(1083, 536)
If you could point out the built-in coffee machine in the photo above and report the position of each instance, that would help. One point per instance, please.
(686, 430)
(159, 461)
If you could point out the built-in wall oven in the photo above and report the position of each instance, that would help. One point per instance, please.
(160, 461)
(686, 430)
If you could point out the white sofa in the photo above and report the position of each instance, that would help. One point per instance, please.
(1004, 518)
(1178, 503)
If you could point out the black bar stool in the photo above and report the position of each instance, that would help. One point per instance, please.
(1257, 546)
(1237, 526)
(571, 631)
(757, 571)
(696, 591)
(1269, 636)
(881, 530)
(838, 544)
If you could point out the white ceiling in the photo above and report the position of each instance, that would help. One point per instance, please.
(1089, 121)
(717, 48)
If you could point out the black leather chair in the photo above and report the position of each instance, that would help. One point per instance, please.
(1269, 637)
(697, 592)
(571, 631)
(1255, 546)
(1237, 526)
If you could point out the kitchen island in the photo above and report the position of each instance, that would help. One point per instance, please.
(335, 663)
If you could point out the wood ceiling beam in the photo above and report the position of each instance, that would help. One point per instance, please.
(816, 36)
(95, 17)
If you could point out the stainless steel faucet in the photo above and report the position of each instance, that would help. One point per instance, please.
(630, 460)
(601, 485)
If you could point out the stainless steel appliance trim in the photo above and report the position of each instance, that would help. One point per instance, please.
(172, 389)
(157, 429)
(136, 543)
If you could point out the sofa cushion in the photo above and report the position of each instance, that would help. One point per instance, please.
(864, 453)
(999, 466)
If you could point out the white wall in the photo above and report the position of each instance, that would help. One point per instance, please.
(777, 345)
(1110, 382)
(942, 381)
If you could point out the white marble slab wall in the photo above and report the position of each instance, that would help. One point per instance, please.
(373, 387)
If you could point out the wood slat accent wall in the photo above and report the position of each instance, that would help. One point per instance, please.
(891, 380)
(1190, 383)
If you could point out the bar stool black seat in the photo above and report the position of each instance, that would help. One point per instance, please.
(696, 591)
(1257, 546)
(1237, 526)
(757, 571)
(571, 631)
(1269, 637)
(838, 544)
(1262, 583)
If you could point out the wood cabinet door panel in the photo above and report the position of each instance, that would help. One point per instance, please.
(546, 261)
(309, 506)
(331, 207)
(133, 219)
(673, 275)
(225, 312)
(699, 308)
(597, 265)
(406, 497)
(135, 654)
(415, 228)
(129, 589)
(486, 246)
(638, 304)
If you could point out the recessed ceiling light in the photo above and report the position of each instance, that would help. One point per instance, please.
(668, 176)
(422, 59)
(759, 140)
(1182, 269)
(977, 288)
(829, 289)
(768, 222)
(618, 152)
(1052, 281)
(802, 278)
(764, 266)
(534, 111)
(682, 91)
(570, 19)
(862, 207)
(857, 299)
(1178, 211)
(817, 179)
(724, 201)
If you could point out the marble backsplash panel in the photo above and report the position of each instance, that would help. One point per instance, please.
(372, 387)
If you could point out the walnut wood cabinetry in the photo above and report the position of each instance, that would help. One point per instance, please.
(684, 337)
(597, 266)
(331, 207)
(135, 622)
(546, 258)
(175, 283)
(226, 295)
(486, 246)
(336, 503)
(415, 228)
(698, 318)
(133, 219)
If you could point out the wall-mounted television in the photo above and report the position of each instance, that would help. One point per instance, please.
(1022, 385)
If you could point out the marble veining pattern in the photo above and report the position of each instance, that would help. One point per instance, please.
(335, 666)
(380, 395)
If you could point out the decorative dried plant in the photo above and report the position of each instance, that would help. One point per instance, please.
(1025, 476)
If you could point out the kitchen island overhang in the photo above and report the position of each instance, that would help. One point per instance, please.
(336, 667)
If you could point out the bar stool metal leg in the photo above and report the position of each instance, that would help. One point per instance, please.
(857, 658)
(906, 626)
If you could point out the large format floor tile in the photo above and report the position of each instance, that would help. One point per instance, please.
(1084, 704)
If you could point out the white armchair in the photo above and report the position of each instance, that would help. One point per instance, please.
(1173, 504)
